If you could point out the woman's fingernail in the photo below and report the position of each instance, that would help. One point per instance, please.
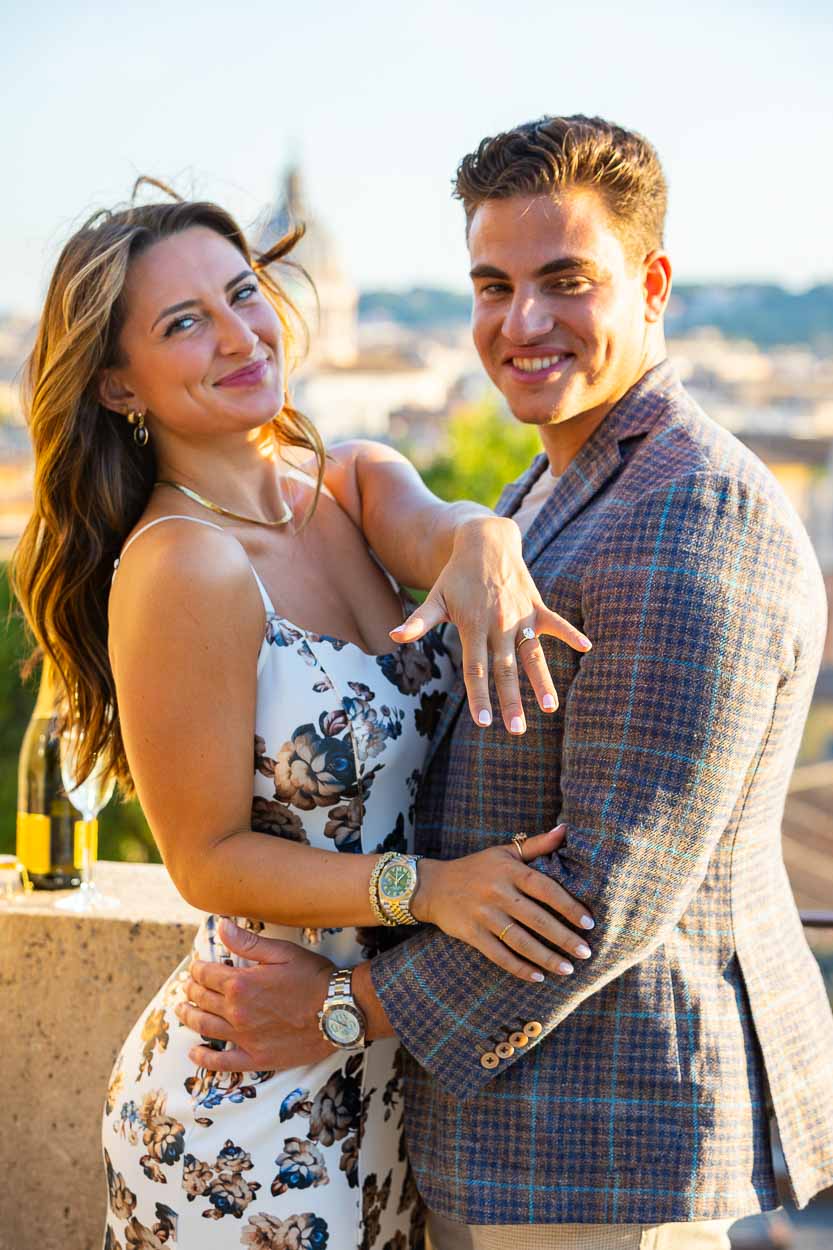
(537, 976)
(583, 950)
(587, 922)
(516, 725)
(484, 717)
(548, 703)
(585, 642)
(565, 968)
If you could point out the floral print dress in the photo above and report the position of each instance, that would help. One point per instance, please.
(312, 1158)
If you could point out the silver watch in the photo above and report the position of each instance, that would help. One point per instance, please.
(341, 1019)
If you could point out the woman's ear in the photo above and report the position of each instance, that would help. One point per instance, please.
(114, 393)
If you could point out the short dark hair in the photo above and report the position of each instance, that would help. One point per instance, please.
(554, 154)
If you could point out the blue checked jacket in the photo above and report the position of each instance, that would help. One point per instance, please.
(644, 1098)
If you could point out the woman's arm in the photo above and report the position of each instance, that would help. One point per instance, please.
(186, 625)
(473, 564)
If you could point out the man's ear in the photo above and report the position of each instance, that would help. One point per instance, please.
(657, 270)
(115, 394)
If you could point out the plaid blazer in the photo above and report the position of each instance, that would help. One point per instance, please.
(643, 1099)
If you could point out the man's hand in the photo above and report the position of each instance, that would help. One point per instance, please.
(269, 1013)
(487, 591)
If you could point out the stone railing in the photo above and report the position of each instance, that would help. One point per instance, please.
(71, 988)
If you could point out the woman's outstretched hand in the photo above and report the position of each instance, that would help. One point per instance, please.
(481, 896)
(486, 590)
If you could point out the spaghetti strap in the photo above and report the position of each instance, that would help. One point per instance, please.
(176, 516)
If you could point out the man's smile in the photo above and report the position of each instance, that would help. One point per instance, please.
(538, 368)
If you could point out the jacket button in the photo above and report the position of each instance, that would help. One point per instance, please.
(489, 1060)
(504, 1051)
(533, 1028)
(518, 1040)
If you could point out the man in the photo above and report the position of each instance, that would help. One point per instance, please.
(626, 1104)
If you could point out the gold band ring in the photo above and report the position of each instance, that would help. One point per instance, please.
(518, 840)
(527, 634)
(505, 930)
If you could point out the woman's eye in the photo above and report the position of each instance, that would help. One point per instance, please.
(245, 291)
(181, 323)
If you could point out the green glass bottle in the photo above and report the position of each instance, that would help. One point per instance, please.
(45, 816)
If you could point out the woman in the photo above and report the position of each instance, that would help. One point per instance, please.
(240, 673)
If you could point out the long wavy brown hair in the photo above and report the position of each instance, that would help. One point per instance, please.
(92, 482)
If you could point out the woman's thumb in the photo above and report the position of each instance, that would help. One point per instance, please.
(544, 843)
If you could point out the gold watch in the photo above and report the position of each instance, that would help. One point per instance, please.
(396, 886)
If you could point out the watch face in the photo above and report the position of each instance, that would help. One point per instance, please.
(342, 1026)
(396, 880)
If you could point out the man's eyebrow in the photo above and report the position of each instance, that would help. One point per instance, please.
(189, 303)
(565, 264)
(569, 264)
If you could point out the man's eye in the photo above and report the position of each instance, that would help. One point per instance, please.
(494, 288)
(570, 286)
(181, 323)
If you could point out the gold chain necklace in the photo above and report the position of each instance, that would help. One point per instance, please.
(215, 507)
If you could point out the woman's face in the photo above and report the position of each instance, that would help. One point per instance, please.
(202, 345)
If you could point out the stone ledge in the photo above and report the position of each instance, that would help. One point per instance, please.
(71, 989)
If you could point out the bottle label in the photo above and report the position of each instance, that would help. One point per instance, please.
(86, 838)
(33, 841)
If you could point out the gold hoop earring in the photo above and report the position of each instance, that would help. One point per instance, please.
(141, 433)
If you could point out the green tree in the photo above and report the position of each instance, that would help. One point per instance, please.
(485, 449)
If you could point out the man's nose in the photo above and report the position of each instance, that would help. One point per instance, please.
(235, 336)
(527, 318)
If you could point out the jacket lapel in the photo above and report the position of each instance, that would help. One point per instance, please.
(598, 460)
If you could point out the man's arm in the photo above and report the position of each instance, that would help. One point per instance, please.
(691, 604)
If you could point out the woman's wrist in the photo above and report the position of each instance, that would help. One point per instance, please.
(429, 877)
(485, 527)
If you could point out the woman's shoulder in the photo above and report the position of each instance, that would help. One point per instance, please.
(180, 555)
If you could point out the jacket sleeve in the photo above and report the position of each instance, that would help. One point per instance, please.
(691, 603)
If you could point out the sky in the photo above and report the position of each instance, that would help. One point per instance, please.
(378, 101)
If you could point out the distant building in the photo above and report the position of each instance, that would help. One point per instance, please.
(332, 318)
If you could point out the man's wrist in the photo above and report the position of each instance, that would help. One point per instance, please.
(378, 1024)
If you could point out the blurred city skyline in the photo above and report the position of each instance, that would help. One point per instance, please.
(377, 105)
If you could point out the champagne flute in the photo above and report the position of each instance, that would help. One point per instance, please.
(88, 798)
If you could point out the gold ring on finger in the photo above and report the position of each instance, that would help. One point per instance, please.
(505, 930)
(527, 634)
(518, 840)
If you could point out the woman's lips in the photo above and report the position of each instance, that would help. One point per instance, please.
(250, 375)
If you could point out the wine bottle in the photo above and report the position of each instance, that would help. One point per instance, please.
(45, 817)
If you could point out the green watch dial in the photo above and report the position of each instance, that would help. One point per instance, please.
(396, 880)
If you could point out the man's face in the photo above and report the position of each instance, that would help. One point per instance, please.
(560, 312)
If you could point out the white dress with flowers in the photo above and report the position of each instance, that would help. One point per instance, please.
(312, 1158)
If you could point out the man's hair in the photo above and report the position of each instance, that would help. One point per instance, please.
(557, 154)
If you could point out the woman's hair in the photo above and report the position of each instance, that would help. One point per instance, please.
(92, 481)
